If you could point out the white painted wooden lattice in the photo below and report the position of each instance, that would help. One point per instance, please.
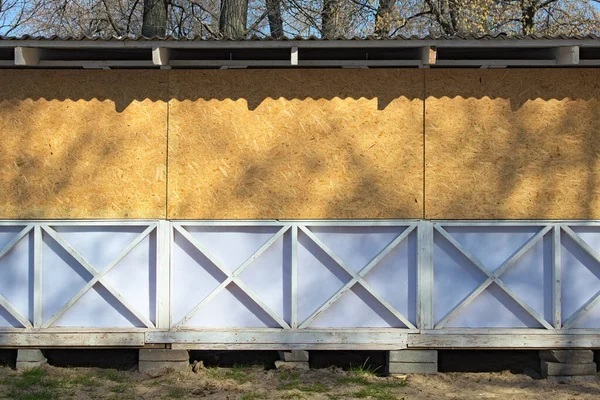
(78, 275)
(300, 275)
(293, 275)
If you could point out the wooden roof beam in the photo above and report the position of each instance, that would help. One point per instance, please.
(568, 55)
(27, 56)
(428, 55)
(161, 56)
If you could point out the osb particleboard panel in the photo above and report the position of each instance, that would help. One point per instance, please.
(291, 144)
(83, 144)
(521, 144)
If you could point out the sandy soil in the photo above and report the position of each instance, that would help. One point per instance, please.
(253, 383)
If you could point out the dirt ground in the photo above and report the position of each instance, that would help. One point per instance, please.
(253, 383)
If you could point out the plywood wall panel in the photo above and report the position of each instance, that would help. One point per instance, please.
(82, 144)
(504, 144)
(302, 144)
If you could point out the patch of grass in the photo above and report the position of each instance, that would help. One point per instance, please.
(375, 392)
(286, 375)
(32, 394)
(354, 379)
(176, 393)
(252, 396)
(87, 380)
(290, 380)
(239, 373)
(114, 375)
(120, 388)
(293, 395)
(314, 388)
(363, 369)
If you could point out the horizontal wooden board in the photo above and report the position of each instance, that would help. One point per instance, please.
(512, 144)
(267, 144)
(83, 144)
(502, 341)
(283, 339)
(72, 339)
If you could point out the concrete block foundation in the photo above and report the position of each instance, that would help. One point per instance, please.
(30, 358)
(155, 361)
(567, 365)
(295, 359)
(412, 362)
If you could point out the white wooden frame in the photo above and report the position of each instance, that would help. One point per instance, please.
(493, 277)
(560, 332)
(97, 277)
(295, 227)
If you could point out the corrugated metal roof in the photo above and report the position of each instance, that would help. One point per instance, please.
(458, 37)
(487, 51)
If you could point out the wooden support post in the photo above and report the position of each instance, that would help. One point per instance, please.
(163, 238)
(37, 277)
(556, 278)
(425, 275)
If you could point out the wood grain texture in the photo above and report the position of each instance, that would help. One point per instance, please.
(512, 144)
(82, 144)
(266, 144)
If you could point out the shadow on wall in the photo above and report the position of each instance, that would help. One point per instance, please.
(266, 144)
(512, 144)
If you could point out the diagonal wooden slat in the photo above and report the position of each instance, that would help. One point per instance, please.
(202, 249)
(387, 250)
(386, 304)
(260, 251)
(70, 249)
(230, 276)
(97, 277)
(494, 277)
(581, 243)
(205, 300)
(250, 293)
(464, 251)
(327, 304)
(357, 277)
(523, 305)
(9, 246)
(522, 250)
(581, 311)
(14, 312)
(467, 300)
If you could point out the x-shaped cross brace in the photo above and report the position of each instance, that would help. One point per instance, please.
(97, 276)
(232, 277)
(596, 297)
(358, 278)
(493, 277)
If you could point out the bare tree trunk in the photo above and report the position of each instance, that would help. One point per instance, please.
(275, 20)
(445, 13)
(383, 19)
(329, 18)
(155, 18)
(233, 19)
(528, 10)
